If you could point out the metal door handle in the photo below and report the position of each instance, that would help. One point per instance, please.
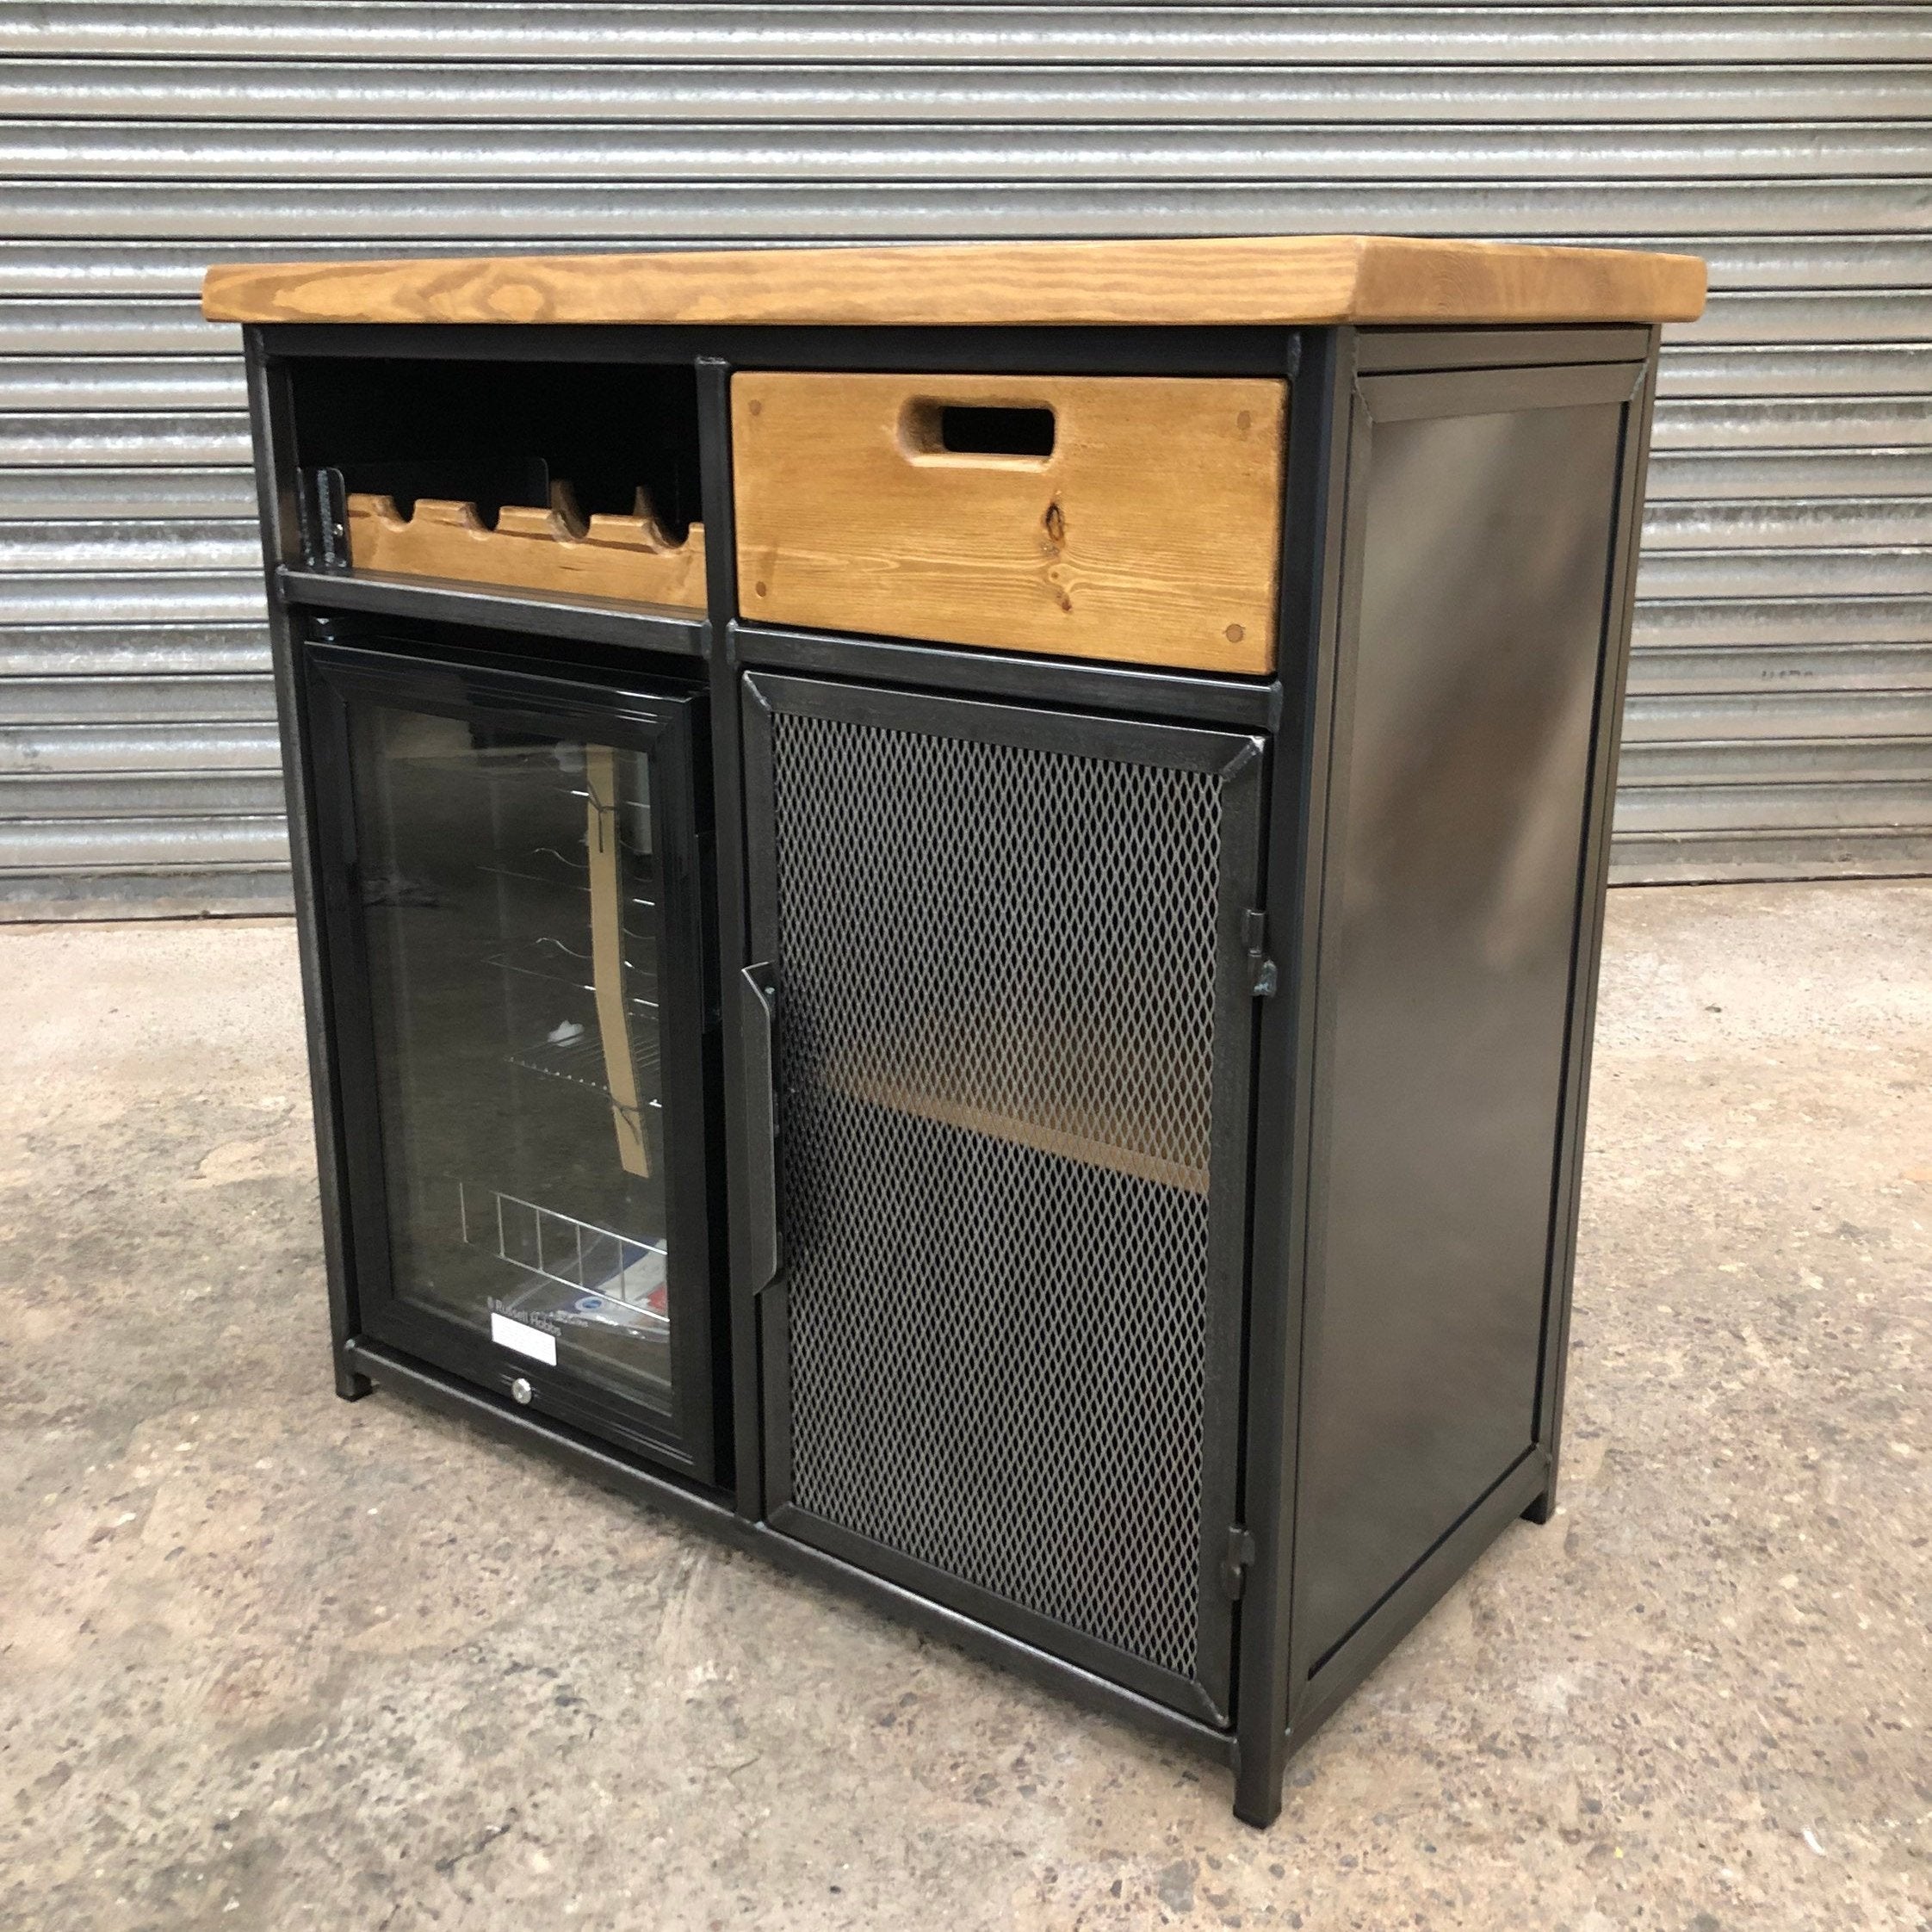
(758, 988)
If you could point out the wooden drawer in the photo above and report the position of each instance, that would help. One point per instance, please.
(1135, 518)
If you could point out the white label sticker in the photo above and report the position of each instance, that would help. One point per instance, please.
(525, 1340)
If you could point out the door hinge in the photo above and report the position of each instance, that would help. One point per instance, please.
(1262, 978)
(1234, 1564)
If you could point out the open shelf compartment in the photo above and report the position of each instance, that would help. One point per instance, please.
(544, 477)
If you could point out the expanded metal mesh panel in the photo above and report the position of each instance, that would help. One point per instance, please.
(996, 1042)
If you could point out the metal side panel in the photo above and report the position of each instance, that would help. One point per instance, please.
(1453, 978)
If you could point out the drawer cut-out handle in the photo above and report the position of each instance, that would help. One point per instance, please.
(996, 432)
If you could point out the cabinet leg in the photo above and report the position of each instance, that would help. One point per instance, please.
(350, 1386)
(1258, 1780)
(1545, 1506)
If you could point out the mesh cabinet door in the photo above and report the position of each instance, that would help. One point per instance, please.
(1001, 956)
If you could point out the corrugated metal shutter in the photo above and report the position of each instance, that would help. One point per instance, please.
(1781, 714)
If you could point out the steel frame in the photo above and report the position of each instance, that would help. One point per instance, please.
(1278, 1696)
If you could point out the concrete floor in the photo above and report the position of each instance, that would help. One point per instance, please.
(271, 1660)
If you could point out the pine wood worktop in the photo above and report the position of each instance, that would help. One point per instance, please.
(1288, 280)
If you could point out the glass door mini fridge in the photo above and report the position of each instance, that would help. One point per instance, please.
(513, 903)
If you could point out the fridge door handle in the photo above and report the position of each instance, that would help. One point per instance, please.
(758, 1004)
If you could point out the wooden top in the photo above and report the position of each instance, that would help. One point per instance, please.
(1283, 278)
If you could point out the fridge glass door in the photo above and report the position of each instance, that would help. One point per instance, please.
(512, 875)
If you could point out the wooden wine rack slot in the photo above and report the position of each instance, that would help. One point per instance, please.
(632, 559)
